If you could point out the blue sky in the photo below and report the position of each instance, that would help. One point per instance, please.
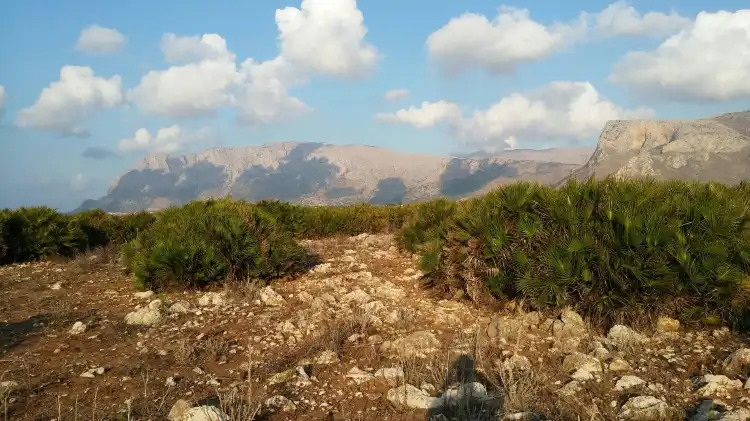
(521, 74)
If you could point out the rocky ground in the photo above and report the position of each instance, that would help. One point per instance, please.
(356, 338)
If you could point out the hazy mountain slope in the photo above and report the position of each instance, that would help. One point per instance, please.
(577, 156)
(716, 148)
(314, 173)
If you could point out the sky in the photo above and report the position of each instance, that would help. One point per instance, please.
(89, 88)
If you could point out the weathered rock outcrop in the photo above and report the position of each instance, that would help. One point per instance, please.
(322, 174)
(710, 149)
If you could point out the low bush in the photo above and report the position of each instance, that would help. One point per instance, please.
(38, 232)
(206, 242)
(326, 221)
(427, 221)
(616, 250)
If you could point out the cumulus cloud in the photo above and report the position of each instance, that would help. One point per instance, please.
(100, 40)
(396, 94)
(65, 104)
(191, 49)
(621, 19)
(500, 45)
(707, 61)
(326, 37)
(166, 140)
(429, 114)
(319, 38)
(559, 111)
(98, 152)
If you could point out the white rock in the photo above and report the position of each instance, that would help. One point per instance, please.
(216, 299)
(644, 408)
(738, 362)
(467, 391)
(144, 294)
(582, 375)
(180, 307)
(271, 298)
(627, 382)
(623, 337)
(715, 385)
(77, 329)
(358, 296)
(204, 413)
(391, 375)
(327, 357)
(359, 376)
(418, 344)
(144, 317)
(411, 397)
(155, 305)
(178, 410)
(281, 403)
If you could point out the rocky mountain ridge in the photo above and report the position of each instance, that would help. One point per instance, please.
(323, 174)
(708, 149)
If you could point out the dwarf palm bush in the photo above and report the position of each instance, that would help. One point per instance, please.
(614, 249)
(205, 242)
(39, 232)
(427, 221)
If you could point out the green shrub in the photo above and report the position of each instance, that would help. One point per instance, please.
(326, 221)
(39, 232)
(206, 242)
(427, 221)
(102, 228)
(614, 249)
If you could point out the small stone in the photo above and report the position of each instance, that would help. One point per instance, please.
(627, 382)
(280, 402)
(77, 329)
(644, 408)
(144, 294)
(667, 324)
(411, 397)
(271, 298)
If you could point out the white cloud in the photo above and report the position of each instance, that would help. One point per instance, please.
(326, 37)
(193, 49)
(425, 116)
(500, 45)
(167, 140)
(560, 111)
(78, 182)
(101, 40)
(190, 90)
(708, 60)
(621, 19)
(319, 38)
(65, 104)
(396, 94)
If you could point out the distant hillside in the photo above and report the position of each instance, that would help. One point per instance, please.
(716, 148)
(323, 174)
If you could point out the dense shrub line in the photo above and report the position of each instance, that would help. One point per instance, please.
(616, 250)
(41, 232)
(613, 249)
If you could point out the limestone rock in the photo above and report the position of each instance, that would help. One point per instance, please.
(143, 317)
(271, 298)
(644, 408)
(411, 397)
(417, 344)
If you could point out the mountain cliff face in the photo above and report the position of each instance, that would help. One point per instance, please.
(710, 149)
(322, 174)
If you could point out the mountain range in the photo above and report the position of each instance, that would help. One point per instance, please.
(716, 148)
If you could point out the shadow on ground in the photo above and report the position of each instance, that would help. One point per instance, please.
(470, 406)
(14, 333)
